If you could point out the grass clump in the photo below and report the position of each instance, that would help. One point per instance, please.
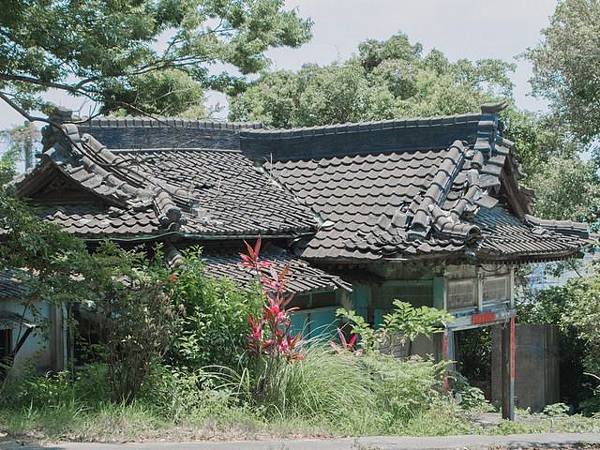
(350, 393)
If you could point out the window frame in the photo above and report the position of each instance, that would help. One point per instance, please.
(478, 282)
(475, 303)
(507, 284)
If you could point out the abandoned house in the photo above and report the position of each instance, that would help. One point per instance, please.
(428, 211)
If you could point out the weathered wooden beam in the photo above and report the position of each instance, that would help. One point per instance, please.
(448, 354)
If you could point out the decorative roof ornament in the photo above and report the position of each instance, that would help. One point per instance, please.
(61, 130)
(494, 107)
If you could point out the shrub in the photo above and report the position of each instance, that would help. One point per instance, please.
(403, 324)
(88, 386)
(179, 394)
(214, 328)
(131, 297)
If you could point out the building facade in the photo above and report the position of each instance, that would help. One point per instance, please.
(428, 211)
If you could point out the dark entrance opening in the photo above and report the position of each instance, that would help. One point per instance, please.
(474, 357)
(5, 350)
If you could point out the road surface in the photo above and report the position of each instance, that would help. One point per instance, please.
(544, 440)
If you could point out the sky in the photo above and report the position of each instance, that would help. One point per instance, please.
(470, 29)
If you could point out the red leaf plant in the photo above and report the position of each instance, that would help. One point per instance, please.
(270, 334)
(345, 344)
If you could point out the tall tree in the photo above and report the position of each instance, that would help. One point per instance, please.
(386, 79)
(567, 188)
(565, 65)
(135, 54)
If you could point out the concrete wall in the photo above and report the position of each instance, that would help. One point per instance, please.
(44, 349)
(537, 366)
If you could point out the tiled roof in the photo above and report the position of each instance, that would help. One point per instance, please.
(402, 203)
(399, 189)
(506, 237)
(97, 221)
(302, 277)
(193, 192)
(226, 193)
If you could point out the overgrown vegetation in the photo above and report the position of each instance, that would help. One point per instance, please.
(269, 382)
(267, 376)
(399, 328)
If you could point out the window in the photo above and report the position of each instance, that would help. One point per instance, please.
(461, 294)
(417, 293)
(496, 289)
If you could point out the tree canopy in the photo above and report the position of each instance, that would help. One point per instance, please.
(150, 56)
(565, 65)
(385, 79)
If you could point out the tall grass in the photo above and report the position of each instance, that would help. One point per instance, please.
(350, 393)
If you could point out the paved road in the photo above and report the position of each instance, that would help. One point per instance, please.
(548, 440)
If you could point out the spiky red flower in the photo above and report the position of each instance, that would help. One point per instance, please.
(270, 334)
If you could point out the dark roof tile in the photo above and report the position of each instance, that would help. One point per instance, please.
(302, 276)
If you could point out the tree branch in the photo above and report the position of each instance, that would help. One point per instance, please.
(4, 96)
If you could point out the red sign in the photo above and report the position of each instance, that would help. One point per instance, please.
(482, 318)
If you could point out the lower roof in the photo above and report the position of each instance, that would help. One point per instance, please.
(302, 277)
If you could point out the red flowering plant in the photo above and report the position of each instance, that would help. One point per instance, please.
(270, 333)
(345, 344)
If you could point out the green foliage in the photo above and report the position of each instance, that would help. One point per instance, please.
(88, 386)
(214, 326)
(161, 93)
(582, 314)
(131, 299)
(386, 79)
(567, 189)
(106, 51)
(46, 251)
(405, 322)
(562, 62)
(556, 410)
(538, 138)
(474, 356)
(369, 394)
(128, 294)
(369, 338)
(410, 322)
(469, 397)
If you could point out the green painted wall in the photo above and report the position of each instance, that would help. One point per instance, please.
(361, 298)
(372, 300)
(315, 323)
(438, 292)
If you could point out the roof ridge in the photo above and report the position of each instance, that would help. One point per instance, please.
(165, 122)
(175, 149)
(352, 127)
